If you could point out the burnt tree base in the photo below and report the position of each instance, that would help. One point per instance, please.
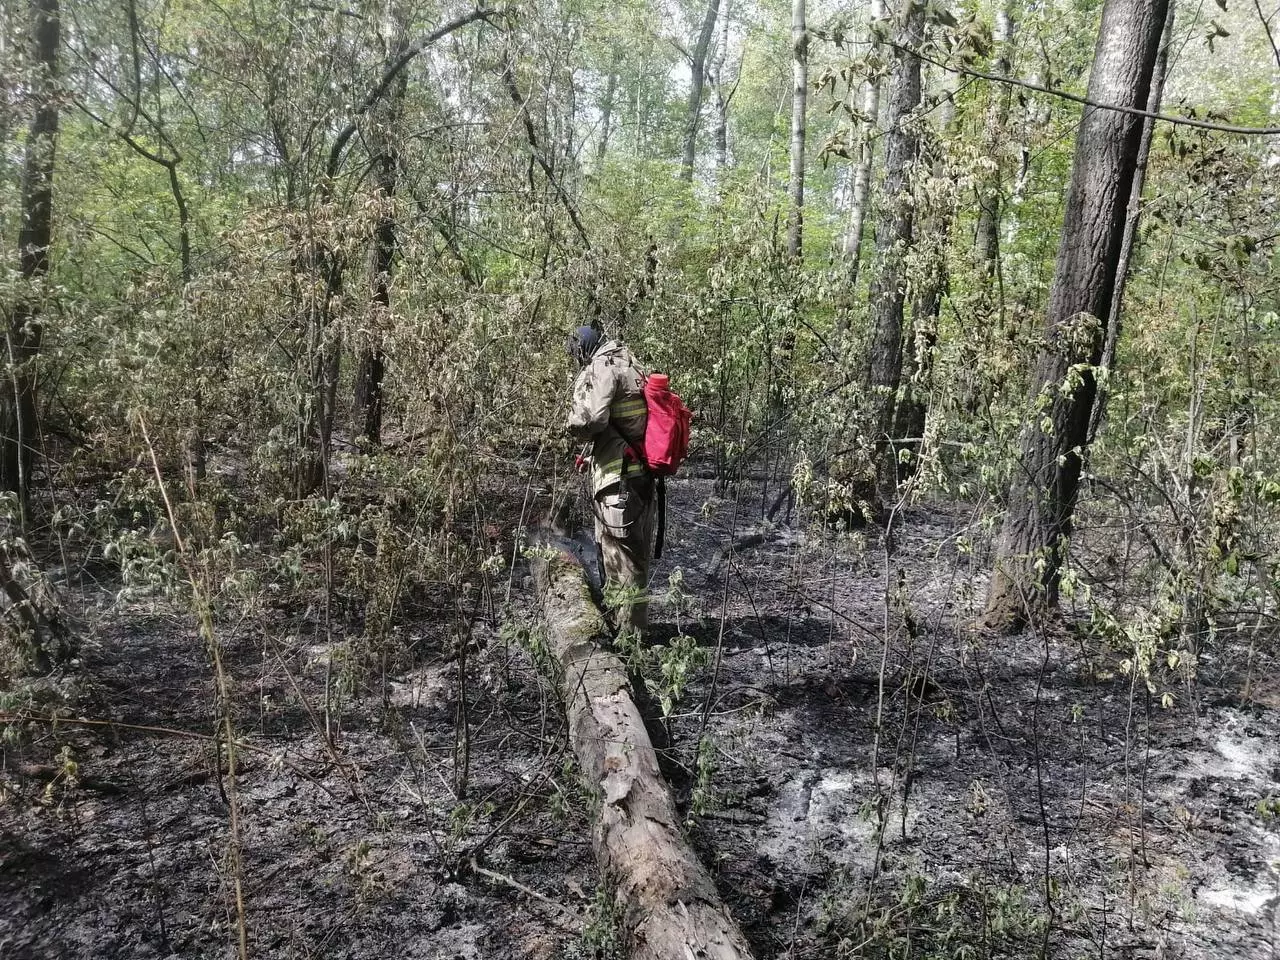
(667, 899)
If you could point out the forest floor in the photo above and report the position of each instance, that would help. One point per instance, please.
(1020, 793)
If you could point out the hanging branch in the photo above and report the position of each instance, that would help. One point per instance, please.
(170, 165)
(1076, 98)
(1266, 26)
(339, 145)
(126, 135)
(513, 90)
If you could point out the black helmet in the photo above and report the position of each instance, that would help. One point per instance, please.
(583, 343)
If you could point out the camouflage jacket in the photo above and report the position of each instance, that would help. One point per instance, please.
(609, 411)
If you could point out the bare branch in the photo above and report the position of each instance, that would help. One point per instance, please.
(513, 90)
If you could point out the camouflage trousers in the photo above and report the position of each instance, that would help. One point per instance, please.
(625, 517)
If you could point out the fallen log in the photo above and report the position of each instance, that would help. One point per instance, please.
(669, 905)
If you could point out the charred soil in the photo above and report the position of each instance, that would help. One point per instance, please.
(864, 773)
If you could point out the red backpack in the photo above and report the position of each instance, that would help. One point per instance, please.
(666, 438)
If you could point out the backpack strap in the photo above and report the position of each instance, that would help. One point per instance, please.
(662, 518)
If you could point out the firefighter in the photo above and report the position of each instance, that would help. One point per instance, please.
(608, 412)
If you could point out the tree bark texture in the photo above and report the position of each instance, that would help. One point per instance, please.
(1133, 214)
(861, 190)
(1042, 496)
(799, 107)
(19, 426)
(670, 907)
(895, 223)
(698, 79)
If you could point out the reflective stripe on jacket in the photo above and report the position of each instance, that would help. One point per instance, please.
(608, 409)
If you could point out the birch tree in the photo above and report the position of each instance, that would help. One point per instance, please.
(799, 105)
(861, 186)
(697, 83)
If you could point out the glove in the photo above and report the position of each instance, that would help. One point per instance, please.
(581, 463)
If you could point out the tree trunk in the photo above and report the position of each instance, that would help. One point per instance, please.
(6, 115)
(930, 289)
(319, 269)
(721, 130)
(34, 638)
(698, 79)
(371, 368)
(987, 238)
(322, 360)
(862, 168)
(606, 109)
(1042, 496)
(668, 900)
(895, 223)
(1133, 214)
(19, 427)
(799, 105)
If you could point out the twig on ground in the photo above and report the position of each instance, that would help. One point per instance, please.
(528, 891)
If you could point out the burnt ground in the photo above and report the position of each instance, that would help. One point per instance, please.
(876, 778)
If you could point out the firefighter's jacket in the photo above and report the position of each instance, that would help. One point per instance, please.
(609, 411)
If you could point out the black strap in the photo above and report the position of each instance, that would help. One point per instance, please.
(662, 518)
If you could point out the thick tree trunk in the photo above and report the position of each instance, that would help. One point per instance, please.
(799, 107)
(698, 79)
(669, 903)
(861, 190)
(19, 427)
(1133, 214)
(895, 223)
(913, 409)
(721, 132)
(1042, 496)
(371, 366)
(31, 626)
